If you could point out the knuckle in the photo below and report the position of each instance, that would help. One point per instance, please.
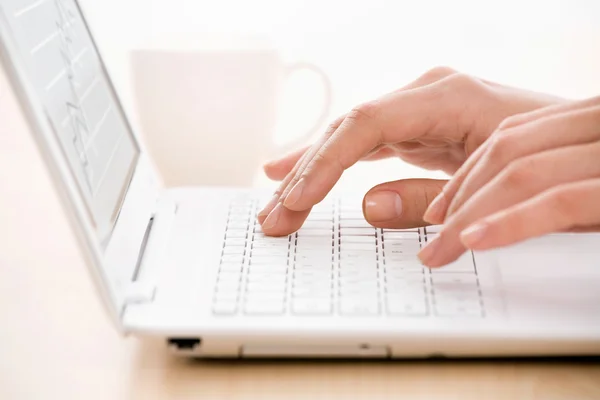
(334, 125)
(519, 174)
(323, 160)
(463, 81)
(501, 147)
(365, 112)
(437, 73)
(563, 203)
(510, 122)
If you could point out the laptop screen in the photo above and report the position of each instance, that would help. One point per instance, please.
(62, 64)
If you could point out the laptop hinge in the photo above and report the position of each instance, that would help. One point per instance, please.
(142, 288)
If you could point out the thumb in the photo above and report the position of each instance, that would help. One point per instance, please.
(400, 204)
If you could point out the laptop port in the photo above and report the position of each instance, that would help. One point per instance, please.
(184, 344)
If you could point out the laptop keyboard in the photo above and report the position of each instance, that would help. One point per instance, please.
(337, 264)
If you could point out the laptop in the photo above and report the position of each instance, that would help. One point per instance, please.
(191, 265)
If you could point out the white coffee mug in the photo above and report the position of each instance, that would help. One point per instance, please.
(208, 114)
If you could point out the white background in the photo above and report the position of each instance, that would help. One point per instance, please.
(372, 47)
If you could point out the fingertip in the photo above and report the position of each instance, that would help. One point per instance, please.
(286, 223)
(473, 236)
(274, 170)
(435, 213)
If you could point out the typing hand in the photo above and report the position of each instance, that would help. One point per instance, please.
(435, 122)
(539, 173)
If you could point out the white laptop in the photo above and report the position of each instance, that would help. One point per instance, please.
(191, 265)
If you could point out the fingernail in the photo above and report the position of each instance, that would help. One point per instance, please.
(435, 212)
(273, 217)
(269, 207)
(427, 253)
(294, 194)
(383, 206)
(473, 234)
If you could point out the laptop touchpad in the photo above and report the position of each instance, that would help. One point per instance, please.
(555, 277)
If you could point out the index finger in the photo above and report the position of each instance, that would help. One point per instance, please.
(394, 118)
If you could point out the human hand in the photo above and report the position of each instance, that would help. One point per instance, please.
(436, 122)
(539, 173)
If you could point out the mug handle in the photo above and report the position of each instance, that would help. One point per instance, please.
(323, 116)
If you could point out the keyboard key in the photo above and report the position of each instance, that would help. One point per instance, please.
(229, 276)
(365, 306)
(400, 235)
(300, 279)
(316, 266)
(399, 244)
(354, 260)
(227, 289)
(225, 307)
(400, 268)
(234, 250)
(307, 259)
(261, 237)
(231, 267)
(275, 278)
(312, 306)
(232, 258)
(400, 258)
(347, 215)
(241, 202)
(464, 265)
(314, 251)
(235, 234)
(238, 224)
(358, 268)
(355, 293)
(269, 251)
(465, 296)
(235, 242)
(263, 259)
(406, 280)
(312, 292)
(355, 223)
(459, 309)
(406, 305)
(318, 225)
(237, 210)
(346, 247)
(325, 233)
(226, 298)
(357, 286)
(313, 279)
(266, 286)
(358, 276)
(264, 307)
(320, 217)
(456, 281)
(317, 241)
(268, 268)
(412, 286)
(308, 281)
(357, 231)
(351, 240)
(267, 246)
(415, 230)
(401, 253)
